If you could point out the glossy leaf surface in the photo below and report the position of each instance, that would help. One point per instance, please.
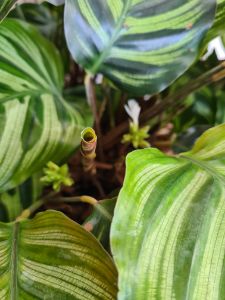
(141, 45)
(51, 257)
(168, 229)
(36, 124)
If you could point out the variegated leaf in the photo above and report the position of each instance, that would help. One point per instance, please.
(141, 45)
(36, 124)
(5, 6)
(51, 257)
(168, 230)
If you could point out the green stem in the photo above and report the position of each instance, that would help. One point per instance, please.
(84, 199)
(35, 206)
(51, 198)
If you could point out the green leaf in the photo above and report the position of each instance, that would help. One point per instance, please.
(168, 229)
(36, 124)
(51, 257)
(5, 7)
(99, 222)
(41, 16)
(14, 201)
(141, 45)
(219, 23)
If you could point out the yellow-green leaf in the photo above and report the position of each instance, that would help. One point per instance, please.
(51, 257)
(168, 230)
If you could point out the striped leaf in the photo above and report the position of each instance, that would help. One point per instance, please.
(219, 23)
(5, 6)
(36, 124)
(51, 257)
(168, 230)
(13, 202)
(141, 45)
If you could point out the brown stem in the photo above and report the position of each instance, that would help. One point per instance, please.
(103, 166)
(91, 96)
(212, 76)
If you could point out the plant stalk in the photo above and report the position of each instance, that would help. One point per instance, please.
(215, 75)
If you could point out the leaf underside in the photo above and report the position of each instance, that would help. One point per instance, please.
(168, 230)
(141, 45)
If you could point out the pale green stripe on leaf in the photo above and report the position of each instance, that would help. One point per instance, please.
(54, 271)
(37, 124)
(168, 231)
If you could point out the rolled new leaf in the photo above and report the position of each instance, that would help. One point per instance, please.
(168, 229)
(51, 257)
(88, 149)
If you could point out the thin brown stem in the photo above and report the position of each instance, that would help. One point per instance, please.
(91, 96)
(213, 76)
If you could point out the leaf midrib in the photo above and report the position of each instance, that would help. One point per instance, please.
(112, 40)
(203, 165)
(14, 258)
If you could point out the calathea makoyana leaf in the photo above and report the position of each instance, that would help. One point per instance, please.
(51, 257)
(5, 6)
(168, 230)
(141, 45)
(36, 124)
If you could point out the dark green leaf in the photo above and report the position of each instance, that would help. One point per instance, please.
(41, 16)
(14, 201)
(141, 45)
(5, 7)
